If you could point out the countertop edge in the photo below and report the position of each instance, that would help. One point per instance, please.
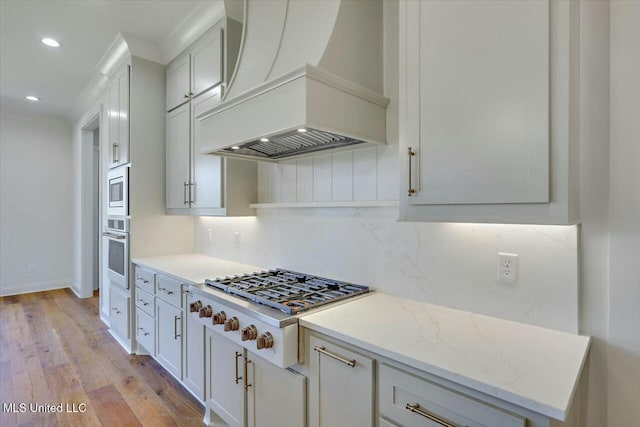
(142, 263)
(557, 413)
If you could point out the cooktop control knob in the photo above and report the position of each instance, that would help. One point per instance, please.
(206, 311)
(219, 318)
(264, 341)
(194, 307)
(249, 333)
(232, 324)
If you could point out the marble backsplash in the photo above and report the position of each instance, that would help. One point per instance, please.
(448, 264)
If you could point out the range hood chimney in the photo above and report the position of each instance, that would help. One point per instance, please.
(309, 77)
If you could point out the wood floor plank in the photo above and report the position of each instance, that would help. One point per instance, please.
(111, 408)
(88, 418)
(47, 343)
(55, 349)
(169, 390)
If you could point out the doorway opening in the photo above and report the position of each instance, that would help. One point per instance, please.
(91, 212)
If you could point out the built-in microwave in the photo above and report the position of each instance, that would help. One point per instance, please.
(118, 191)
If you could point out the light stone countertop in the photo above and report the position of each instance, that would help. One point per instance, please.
(529, 366)
(194, 268)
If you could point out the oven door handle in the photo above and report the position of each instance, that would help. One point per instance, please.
(114, 236)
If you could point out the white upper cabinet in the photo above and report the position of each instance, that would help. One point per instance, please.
(178, 83)
(178, 161)
(118, 118)
(484, 111)
(197, 183)
(206, 63)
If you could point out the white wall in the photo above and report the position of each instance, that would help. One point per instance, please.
(449, 264)
(624, 217)
(35, 203)
(594, 195)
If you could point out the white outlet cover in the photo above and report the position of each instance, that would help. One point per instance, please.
(507, 268)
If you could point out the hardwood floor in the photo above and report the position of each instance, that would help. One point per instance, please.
(54, 349)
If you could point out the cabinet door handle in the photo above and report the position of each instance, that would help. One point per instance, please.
(417, 409)
(185, 96)
(143, 332)
(184, 193)
(192, 193)
(237, 377)
(176, 335)
(323, 350)
(246, 375)
(165, 290)
(411, 153)
(115, 309)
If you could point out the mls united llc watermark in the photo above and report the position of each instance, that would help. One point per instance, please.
(44, 407)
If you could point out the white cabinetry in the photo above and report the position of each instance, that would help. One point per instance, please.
(169, 325)
(207, 63)
(178, 81)
(341, 386)
(247, 391)
(201, 184)
(120, 317)
(412, 401)
(485, 107)
(169, 337)
(118, 118)
(192, 349)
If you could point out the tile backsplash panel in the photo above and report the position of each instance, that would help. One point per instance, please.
(448, 264)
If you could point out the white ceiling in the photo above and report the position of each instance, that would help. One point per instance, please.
(85, 28)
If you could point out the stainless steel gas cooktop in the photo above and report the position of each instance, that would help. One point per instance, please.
(288, 291)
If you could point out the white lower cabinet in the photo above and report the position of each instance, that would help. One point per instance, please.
(225, 382)
(412, 401)
(341, 386)
(193, 349)
(119, 315)
(169, 337)
(245, 390)
(145, 331)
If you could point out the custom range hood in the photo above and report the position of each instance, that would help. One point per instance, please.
(309, 77)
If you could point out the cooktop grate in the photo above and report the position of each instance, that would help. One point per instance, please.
(288, 291)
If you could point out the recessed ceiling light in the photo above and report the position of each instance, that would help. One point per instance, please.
(302, 130)
(235, 147)
(264, 139)
(32, 98)
(51, 42)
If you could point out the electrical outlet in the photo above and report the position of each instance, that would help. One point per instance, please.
(31, 268)
(236, 239)
(209, 235)
(507, 268)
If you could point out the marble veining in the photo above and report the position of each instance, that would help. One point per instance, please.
(529, 366)
(453, 265)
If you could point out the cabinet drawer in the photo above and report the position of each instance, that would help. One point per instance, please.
(169, 290)
(145, 331)
(412, 401)
(145, 279)
(119, 316)
(145, 302)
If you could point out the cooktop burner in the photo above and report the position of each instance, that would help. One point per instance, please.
(287, 291)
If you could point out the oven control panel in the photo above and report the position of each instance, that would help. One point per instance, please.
(277, 345)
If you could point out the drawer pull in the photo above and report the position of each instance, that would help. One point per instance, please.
(116, 310)
(416, 409)
(143, 302)
(322, 350)
(143, 331)
(165, 290)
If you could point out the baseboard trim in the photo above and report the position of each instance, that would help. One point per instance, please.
(36, 287)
